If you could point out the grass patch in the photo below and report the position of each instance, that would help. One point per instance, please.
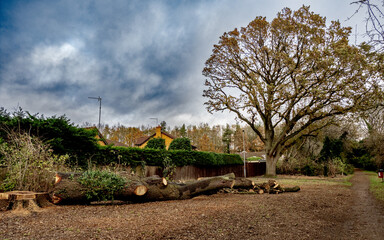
(376, 186)
(288, 181)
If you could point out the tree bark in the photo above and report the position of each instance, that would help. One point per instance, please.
(243, 183)
(68, 190)
(271, 166)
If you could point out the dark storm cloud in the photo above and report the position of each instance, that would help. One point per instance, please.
(144, 58)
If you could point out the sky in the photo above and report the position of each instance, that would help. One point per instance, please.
(143, 58)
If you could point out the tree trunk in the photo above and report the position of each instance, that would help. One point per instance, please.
(243, 183)
(70, 191)
(270, 166)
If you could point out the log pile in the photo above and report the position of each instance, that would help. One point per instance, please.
(271, 187)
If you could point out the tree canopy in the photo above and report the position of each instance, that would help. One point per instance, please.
(292, 74)
(374, 24)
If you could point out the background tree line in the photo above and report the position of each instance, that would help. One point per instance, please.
(217, 138)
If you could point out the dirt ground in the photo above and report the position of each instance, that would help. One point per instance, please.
(316, 212)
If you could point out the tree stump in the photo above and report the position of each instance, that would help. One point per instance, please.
(25, 200)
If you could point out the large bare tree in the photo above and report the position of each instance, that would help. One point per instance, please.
(290, 74)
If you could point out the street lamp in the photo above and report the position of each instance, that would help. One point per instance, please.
(245, 171)
(99, 100)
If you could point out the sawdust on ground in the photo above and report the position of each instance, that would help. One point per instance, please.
(316, 212)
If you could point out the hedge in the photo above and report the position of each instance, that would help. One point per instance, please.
(181, 144)
(154, 157)
(156, 143)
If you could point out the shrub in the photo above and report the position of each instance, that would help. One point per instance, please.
(169, 168)
(156, 143)
(312, 169)
(61, 135)
(181, 144)
(288, 166)
(349, 169)
(101, 185)
(29, 163)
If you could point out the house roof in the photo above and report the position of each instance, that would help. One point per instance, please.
(116, 143)
(141, 140)
(167, 134)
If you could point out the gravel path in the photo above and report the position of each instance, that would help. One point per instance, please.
(318, 211)
(367, 214)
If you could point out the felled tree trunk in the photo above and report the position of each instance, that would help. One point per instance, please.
(176, 191)
(69, 191)
(243, 183)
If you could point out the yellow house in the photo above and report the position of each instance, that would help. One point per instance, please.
(103, 141)
(142, 142)
(100, 139)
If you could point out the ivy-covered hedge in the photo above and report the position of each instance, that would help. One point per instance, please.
(154, 157)
(181, 144)
(156, 143)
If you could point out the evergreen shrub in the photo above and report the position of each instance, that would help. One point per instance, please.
(181, 144)
(101, 185)
(156, 143)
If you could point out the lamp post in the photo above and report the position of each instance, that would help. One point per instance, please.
(245, 171)
(99, 100)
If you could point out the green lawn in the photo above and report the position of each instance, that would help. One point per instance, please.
(305, 180)
(377, 186)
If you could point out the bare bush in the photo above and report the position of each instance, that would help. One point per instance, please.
(30, 164)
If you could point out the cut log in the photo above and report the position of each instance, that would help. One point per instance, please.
(175, 191)
(273, 187)
(243, 183)
(69, 191)
(59, 176)
(265, 187)
(156, 180)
